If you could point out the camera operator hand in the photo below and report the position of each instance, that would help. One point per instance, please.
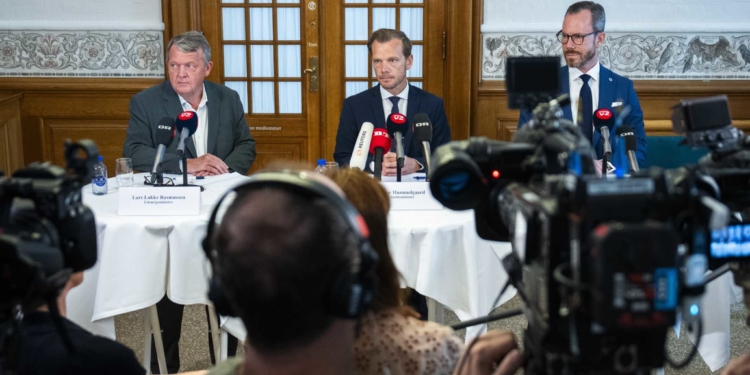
(737, 366)
(494, 353)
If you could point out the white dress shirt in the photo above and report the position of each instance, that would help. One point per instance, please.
(200, 138)
(576, 83)
(388, 105)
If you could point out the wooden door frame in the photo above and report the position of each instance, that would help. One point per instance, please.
(462, 27)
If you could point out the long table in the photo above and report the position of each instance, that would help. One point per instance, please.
(142, 258)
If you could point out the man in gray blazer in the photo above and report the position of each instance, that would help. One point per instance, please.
(222, 142)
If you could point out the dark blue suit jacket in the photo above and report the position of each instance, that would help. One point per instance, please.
(367, 106)
(612, 88)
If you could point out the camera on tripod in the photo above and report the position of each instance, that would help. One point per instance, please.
(46, 234)
(602, 264)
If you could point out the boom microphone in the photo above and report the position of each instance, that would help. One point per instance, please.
(604, 121)
(164, 135)
(381, 141)
(362, 146)
(422, 130)
(627, 133)
(187, 124)
(397, 127)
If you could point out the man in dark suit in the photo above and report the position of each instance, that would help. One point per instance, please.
(221, 144)
(391, 58)
(590, 85)
(222, 141)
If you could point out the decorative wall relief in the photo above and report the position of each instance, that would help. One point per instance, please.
(129, 54)
(658, 56)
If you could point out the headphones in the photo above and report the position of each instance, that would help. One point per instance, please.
(353, 287)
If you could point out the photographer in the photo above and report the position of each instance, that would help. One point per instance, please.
(289, 262)
(42, 350)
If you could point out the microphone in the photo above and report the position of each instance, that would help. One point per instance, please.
(381, 141)
(604, 121)
(422, 130)
(187, 124)
(627, 133)
(362, 147)
(397, 128)
(164, 135)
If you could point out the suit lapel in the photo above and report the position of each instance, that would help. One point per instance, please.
(412, 108)
(214, 103)
(565, 88)
(173, 108)
(377, 108)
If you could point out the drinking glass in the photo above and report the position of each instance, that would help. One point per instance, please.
(124, 170)
(332, 165)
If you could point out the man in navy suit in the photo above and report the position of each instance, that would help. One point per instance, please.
(391, 58)
(590, 85)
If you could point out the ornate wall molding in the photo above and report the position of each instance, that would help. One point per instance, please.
(636, 55)
(124, 54)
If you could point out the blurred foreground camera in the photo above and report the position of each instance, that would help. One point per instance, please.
(46, 233)
(602, 264)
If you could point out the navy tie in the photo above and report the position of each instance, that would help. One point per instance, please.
(586, 109)
(394, 100)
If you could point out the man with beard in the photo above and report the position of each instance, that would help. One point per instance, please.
(590, 85)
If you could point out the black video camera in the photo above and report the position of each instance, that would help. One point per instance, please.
(602, 264)
(46, 234)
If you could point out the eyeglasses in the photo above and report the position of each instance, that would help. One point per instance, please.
(577, 38)
(190, 67)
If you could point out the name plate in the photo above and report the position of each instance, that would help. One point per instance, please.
(411, 196)
(159, 201)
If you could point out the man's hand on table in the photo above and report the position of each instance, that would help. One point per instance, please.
(206, 165)
(390, 165)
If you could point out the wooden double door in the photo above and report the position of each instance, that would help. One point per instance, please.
(293, 62)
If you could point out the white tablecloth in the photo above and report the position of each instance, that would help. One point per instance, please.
(141, 258)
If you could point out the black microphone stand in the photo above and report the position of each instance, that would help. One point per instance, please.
(399, 165)
(378, 163)
(184, 170)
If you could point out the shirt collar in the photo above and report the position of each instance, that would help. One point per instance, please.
(203, 102)
(403, 94)
(594, 72)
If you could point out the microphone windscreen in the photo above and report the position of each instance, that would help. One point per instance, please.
(380, 139)
(627, 133)
(165, 131)
(397, 123)
(422, 128)
(603, 117)
(362, 146)
(188, 120)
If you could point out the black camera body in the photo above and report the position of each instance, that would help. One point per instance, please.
(603, 264)
(46, 233)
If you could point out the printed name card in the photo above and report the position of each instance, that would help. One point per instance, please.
(411, 196)
(159, 201)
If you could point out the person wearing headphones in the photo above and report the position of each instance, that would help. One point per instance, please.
(292, 259)
(393, 339)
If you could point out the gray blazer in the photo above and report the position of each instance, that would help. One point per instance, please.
(228, 134)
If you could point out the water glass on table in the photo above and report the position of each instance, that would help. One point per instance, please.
(124, 170)
(332, 165)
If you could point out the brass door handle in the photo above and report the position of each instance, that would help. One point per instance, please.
(313, 73)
